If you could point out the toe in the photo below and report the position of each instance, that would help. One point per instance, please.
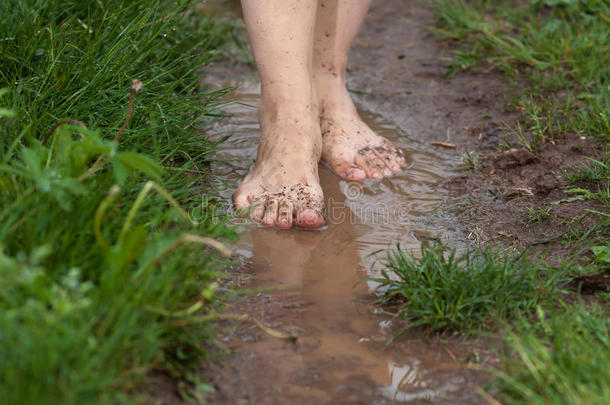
(285, 214)
(375, 165)
(394, 152)
(271, 209)
(391, 163)
(354, 173)
(309, 218)
(400, 157)
(381, 167)
(240, 200)
(382, 163)
(363, 163)
(258, 209)
(388, 162)
(309, 214)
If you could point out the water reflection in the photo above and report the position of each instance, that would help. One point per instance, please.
(340, 337)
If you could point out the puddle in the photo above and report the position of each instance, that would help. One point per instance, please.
(341, 346)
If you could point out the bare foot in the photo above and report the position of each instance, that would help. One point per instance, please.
(284, 189)
(352, 149)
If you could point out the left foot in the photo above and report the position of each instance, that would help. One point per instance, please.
(352, 149)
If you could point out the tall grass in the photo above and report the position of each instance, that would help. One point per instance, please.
(103, 275)
(561, 359)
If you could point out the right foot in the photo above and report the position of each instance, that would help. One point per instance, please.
(284, 189)
(352, 149)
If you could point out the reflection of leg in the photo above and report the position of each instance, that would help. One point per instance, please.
(350, 147)
(271, 247)
(284, 189)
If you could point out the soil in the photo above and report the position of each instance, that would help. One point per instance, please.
(397, 74)
(252, 376)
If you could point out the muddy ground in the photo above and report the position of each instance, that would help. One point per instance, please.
(397, 72)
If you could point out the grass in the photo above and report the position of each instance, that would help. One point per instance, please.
(104, 276)
(553, 353)
(560, 50)
(556, 53)
(561, 359)
(537, 214)
(469, 161)
(593, 172)
(591, 180)
(446, 291)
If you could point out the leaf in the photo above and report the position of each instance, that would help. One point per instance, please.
(139, 162)
(120, 171)
(33, 158)
(551, 26)
(601, 254)
(129, 249)
(6, 113)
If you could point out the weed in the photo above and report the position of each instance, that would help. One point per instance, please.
(594, 172)
(532, 141)
(446, 291)
(469, 161)
(537, 214)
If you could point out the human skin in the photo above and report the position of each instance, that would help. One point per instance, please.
(306, 114)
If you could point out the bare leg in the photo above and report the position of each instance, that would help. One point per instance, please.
(284, 188)
(350, 147)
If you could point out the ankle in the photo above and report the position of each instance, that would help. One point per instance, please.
(334, 101)
(333, 95)
(277, 107)
(295, 124)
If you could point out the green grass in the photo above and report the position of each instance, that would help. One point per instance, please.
(593, 172)
(556, 56)
(560, 50)
(103, 275)
(445, 291)
(469, 161)
(561, 359)
(553, 353)
(591, 180)
(537, 214)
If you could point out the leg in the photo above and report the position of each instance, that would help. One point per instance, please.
(350, 147)
(283, 188)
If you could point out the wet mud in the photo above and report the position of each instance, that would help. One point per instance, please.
(324, 294)
(320, 278)
(341, 354)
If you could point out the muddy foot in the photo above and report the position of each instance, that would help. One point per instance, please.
(287, 206)
(284, 189)
(354, 151)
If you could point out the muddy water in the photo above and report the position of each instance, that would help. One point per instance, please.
(341, 353)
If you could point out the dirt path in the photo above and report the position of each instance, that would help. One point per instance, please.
(396, 70)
